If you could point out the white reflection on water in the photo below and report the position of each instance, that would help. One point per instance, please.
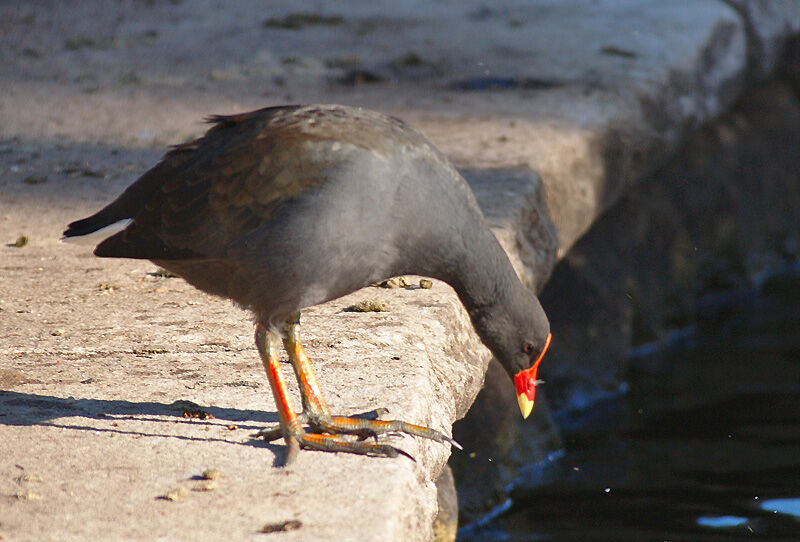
(789, 507)
(721, 521)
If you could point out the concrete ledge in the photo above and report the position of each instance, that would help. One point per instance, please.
(93, 406)
(571, 103)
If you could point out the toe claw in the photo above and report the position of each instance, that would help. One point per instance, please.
(269, 434)
(402, 452)
(387, 450)
(441, 437)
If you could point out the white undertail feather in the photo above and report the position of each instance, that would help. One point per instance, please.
(96, 237)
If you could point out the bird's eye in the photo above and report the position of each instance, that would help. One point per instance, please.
(527, 348)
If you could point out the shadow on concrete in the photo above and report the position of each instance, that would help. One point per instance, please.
(18, 408)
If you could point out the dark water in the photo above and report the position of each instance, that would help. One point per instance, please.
(703, 443)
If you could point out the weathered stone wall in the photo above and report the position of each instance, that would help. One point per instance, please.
(721, 211)
(713, 216)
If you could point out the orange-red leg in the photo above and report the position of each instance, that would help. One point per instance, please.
(316, 410)
(290, 428)
(313, 402)
(267, 343)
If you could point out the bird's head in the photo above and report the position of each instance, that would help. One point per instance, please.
(525, 380)
(518, 334)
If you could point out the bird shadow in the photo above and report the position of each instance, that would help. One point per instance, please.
(29, 409)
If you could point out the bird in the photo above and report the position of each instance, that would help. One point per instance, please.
(287, 207)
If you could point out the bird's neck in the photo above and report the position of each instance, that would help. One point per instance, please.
(484, 278)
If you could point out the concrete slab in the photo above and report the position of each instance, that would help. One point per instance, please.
(551, 108)
(120, 386)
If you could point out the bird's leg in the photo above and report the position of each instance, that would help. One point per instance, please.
(313, 403)
(267, 342)
(316, 410)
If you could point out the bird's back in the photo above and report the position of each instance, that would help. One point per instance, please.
(320, 196)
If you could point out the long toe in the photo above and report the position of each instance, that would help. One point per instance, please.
(269, 434)
(371, 428)
(274, 433)
(345, 443)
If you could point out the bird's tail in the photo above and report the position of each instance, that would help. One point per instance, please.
(94, 229)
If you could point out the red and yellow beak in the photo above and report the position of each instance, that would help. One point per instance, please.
(525, 382)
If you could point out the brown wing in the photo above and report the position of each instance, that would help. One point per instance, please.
(233, 179)
(213, 189)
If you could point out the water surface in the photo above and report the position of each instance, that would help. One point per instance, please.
(703, 443)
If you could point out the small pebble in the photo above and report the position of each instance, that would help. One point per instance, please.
(197, 415)
(21, 241)
(368, 305)
(425, 284)
(28, 496)
(163, 273)
(282, 526)
(176, 494)
(396, 282)
(34, 179)
(211, 474)
(107, 287)
(28, 477)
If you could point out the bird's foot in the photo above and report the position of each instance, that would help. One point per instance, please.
(274, 433)
(348, 434)
(328, 433)
(348, 443)
(341, 442)
(366, 426)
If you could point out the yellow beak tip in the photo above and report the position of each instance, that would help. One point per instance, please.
(525, 405)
